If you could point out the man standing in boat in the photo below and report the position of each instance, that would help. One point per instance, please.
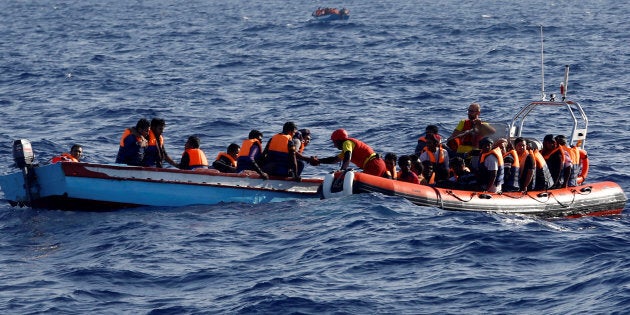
(133, 143)
(357, 152)
(468, 132)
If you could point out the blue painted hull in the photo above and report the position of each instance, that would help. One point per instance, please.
(99, 186)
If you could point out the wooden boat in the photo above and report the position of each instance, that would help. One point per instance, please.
(594, 199)
(331, 14)
(88, 186)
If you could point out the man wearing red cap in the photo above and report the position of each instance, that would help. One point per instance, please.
(357, 152)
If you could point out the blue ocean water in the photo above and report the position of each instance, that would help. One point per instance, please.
(81, 71)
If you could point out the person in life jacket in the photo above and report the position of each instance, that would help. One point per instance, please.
(542, 176)
(490, 168)
(470, 131)
(511, 165)
(250, 155)
(155, 154)
(554, 157)
(390, 162)
(422, 140)
(357, 152)
(302, 139)
(462, 178)
(571, 162)
(527, 165)
(133, 142)
(193, 157)
(405, 174)
(280, 154)
(76, 151)
(226, 161)
(435, 160)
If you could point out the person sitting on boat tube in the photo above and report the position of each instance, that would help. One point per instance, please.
(193, 157)
(302, 138)
(542, 177)
(490, 168)
(133, 143)
(155, 153)
(280, 154)
(511, 165)
(554, 157)
(76, 151)
(251, 154)
(406, 174)
(527, 165)
(435, 160)
(226, 161)
(422, 140)
(357, 152)
(468, 132)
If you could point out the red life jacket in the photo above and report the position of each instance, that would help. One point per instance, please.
(361, 154)
(64, 157)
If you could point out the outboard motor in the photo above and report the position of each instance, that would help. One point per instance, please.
(24, 157)
(23, 153)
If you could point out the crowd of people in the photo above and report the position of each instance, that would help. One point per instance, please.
(468, 160)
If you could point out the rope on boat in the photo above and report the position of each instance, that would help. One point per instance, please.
(450, 192)
(540, 195)
(560, 203)
(439, 196)
(515, 196)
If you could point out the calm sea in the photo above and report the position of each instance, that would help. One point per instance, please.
(82, 71)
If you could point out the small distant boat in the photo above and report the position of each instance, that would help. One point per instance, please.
(331, 14)
(92, 186)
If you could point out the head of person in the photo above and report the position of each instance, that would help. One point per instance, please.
(338, 137)
(458, 165)
(233, 149)
(549, 142)
(390, 159)
(255, 134)
(416, 165)
(474, 110)
(304, 135)
(404, 162)
(193, 142)
(76, 151)
(142, 126)
(485, 144)
(289, 128)
(431, 129)
(433, 139)
(561, 140)
(157, 126)
(502, 144)
(519, 145)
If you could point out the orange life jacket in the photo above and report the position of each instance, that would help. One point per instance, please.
(511, 171)
(247, 145)
(280, 143)
(227, 156)
(126, 133)
(543, 179)
(196, 157)
(498, 179)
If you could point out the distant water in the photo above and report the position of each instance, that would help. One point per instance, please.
(81, 71)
